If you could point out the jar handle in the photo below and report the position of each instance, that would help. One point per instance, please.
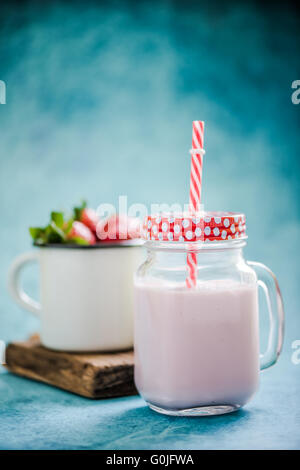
(266, 279)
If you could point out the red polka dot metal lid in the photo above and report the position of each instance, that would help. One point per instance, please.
(185, 227)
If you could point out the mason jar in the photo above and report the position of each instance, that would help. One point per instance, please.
(196, 315)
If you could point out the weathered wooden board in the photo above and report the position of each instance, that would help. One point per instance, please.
(96, 375)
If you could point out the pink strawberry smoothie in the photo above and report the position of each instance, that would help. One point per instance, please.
(196, 347)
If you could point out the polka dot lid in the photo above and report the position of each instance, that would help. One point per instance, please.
(210, 226)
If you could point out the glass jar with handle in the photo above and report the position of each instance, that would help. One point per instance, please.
(197, 347)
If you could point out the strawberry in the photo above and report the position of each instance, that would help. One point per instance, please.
(89, 218)
(81, 234)
(80, 228)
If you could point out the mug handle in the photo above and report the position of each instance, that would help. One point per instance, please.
(266, 279)
(14, 285)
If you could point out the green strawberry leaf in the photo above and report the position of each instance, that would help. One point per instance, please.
(67, 226)
(58, 218)
(57, 230)
(79, 241)
(54, 234)
(38, 234)
(78, 210)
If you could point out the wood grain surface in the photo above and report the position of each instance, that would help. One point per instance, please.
(96, 375)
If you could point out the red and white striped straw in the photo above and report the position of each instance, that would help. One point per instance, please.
(197, 153)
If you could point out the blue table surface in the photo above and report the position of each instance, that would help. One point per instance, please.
(38, 416)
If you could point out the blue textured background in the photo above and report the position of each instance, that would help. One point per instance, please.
(100, 100)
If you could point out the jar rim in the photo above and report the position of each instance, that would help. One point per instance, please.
(197, 246)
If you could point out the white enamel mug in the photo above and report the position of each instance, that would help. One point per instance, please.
(86, 294)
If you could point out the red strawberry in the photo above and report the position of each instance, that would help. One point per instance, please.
(81, 234)
(89, 218)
